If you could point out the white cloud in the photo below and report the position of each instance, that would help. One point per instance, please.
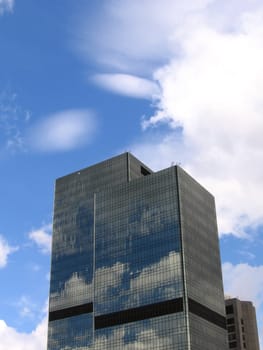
(42, 237)
(6, 6)
(12, 339)
(240, 275)
(167, 150)
(5, 251)
(131, 35)
(128, 85)
(214, 94)
(207, 59)
(63, 131)
(139, 35)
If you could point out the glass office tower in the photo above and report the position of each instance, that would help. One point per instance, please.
(135, 261)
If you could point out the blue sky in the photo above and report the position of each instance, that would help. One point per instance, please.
(172, 82)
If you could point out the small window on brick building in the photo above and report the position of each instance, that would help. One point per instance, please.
(230, 320)
(232, 336)
(231, 329)
(229, 309)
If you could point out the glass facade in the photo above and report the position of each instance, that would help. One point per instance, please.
(202, 266)
(131, 262)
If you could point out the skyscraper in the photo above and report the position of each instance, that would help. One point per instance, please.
(241, 325)
(135, 261)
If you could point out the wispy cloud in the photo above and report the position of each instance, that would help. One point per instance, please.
(142, 35)
(6, 6)
(5, 251)
(26, 307)
(42, 238)
(133, 36)
(13, 121)
(127, 85)
(207, 59)
(62, 131)
(248, 255)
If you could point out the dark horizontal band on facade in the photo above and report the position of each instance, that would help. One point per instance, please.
(70, 312)
(139, 313)
(206, 313)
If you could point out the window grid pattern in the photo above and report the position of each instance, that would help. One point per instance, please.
(201, 245)
(202, 262)
(71, 333)
(138, 260)
(161, 333)
(205, 335)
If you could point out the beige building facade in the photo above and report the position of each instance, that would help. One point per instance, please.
(241, 325)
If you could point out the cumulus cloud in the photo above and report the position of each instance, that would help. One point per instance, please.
(128, 85)
(62, 131)
(206, 58)
(5, 251)
(236, 276)
(12, 339)
(6, 6)
(213, 94)
(42, 237)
